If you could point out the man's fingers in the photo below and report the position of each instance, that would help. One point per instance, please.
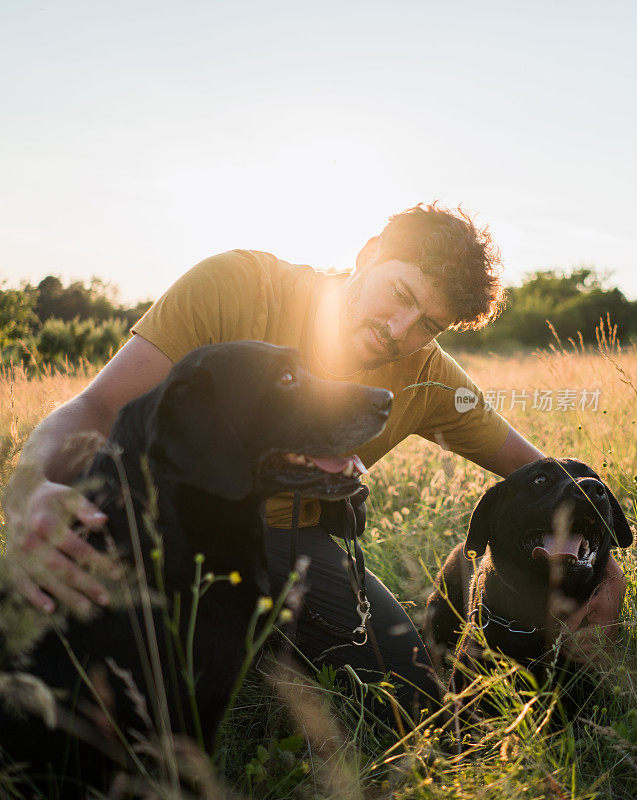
(55, 503)
(67, 596)
(53, 561)
(574, 620)
(589, 644)
(89, 515)
(70, 584)
(34, 595)
(74, 546)
(52, 574)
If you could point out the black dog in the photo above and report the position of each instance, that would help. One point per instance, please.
(230, 425)
(547, 530)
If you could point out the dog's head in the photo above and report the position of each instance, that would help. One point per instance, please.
(550, 511)
(244, 417)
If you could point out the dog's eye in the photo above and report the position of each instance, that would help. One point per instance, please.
(287, 378)
(541, 478)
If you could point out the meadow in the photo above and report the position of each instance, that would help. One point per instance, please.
(287, 737)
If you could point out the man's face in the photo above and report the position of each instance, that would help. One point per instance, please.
(390, 310)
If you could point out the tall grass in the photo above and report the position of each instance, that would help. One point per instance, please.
(292, 736)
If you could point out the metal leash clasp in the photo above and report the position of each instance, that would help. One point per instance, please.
(363, 611)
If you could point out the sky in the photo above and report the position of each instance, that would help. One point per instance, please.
(139, 137)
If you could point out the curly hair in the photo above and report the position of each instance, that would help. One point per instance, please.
(461, 258)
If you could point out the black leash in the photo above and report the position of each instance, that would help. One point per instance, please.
(344, 519)
(294, 546)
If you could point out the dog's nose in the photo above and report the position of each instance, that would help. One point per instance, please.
(592, 488)
(382, 400)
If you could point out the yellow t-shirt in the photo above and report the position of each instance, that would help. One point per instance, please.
(245, 294)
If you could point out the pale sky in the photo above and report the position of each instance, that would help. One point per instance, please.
(140, 137)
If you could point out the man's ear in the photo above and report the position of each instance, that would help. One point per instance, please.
(192, 443)
(621, 529)
(480, 523)
(369, 253)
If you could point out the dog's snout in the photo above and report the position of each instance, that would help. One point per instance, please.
(592, 488)
(382, 400)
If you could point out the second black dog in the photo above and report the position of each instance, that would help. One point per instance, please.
(544, 535)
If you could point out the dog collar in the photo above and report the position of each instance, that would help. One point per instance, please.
(481, 617)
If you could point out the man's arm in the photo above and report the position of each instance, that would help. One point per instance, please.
(41, 507)
(515, 452)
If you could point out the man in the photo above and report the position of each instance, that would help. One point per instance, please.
(429, 270)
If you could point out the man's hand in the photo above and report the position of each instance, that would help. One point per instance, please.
(602, 610)
(47, 558)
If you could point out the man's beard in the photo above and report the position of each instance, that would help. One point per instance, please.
(351, 329)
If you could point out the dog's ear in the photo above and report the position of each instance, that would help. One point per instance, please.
(622, 533)
(480, 523)
(191, 442)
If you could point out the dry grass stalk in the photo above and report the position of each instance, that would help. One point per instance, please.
(334, 759)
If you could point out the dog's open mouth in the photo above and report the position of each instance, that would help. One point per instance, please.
(576, 548)
(321, 476)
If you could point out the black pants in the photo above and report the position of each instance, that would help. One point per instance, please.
(329, 593)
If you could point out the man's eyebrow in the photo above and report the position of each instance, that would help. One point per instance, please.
(410, 292)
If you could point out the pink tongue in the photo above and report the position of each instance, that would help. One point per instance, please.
(335, 464)
(558, 547)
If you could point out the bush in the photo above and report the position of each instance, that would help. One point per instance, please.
(17, 314)
(53, 324)
(60, 342)
(572, 302)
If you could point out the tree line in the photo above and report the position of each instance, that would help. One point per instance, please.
(53, 323)
(573, 303)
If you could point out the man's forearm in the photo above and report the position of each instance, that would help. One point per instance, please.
(515, 452)
(57, 447)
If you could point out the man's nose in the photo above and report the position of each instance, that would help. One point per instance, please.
(400, 324)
